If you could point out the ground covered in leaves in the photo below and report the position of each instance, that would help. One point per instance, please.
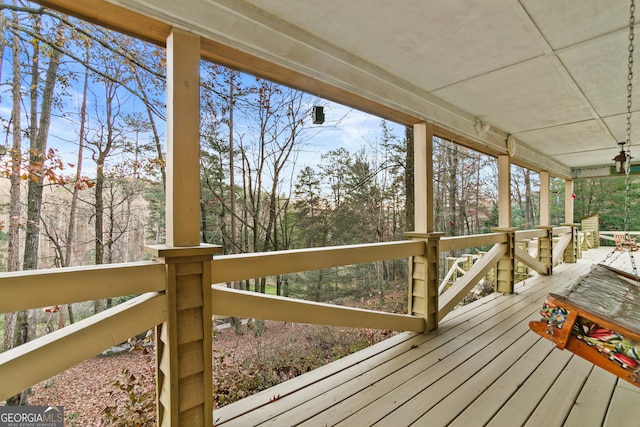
(87, 389)
(120, 389)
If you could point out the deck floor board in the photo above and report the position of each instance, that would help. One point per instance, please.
(454, 403)
(481, 367)
(561, 396)
(624, 408)
(519, 406)
(591, 406)
(490, 400)
(430, 396)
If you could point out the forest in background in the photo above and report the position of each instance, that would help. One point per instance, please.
(83, 112)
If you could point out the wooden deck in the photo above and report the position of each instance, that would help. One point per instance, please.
(482, 367)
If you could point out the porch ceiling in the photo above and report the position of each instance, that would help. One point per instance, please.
(551, 73)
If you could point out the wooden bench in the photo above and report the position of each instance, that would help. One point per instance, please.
(624, 241)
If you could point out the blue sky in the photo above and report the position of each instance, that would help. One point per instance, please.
(346, 128)
(343, 128)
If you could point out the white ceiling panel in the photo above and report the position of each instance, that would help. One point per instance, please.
(526, 96)
(575, 137)
(568, 22)
(553, 73)
(465, 39)
(600, 70)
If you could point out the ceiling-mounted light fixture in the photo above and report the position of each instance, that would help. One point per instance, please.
(318, 115)
(481, 127)
(621, 159)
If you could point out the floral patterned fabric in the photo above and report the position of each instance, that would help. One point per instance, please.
(619, 348)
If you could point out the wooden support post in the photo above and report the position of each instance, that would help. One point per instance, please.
(568, 201)
(424, 269)
(423, 181)
(424, 273)
(183, 351)
(183, 342)
(545, 199)
(504, 191)
(183, 139)
(545, 248)
(505, 268)
(571, 252)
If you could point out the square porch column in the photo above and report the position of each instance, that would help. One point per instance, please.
(424, 269)
(545, 199)
(504, 191)
(424, 274)
(572, 252)
(568, 201)
(506, 266)
(183, 342)
(545, 247)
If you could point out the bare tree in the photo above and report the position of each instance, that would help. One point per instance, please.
(38, 135)
(78, 182)
(409, 179)
(13, 256)
(267, 162)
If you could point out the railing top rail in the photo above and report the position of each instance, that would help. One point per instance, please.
(530, 234)
(463, 242)
(22, 290)
(475, 240)
(228, 268)
(565, 229)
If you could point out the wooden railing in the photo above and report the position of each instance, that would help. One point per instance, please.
(227, 268)
(46, 356)
(462, 286)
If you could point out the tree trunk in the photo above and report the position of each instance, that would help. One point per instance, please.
(203, 219)
(156, 136)
(71, 234)
(38, 149)
(529, 220)
(99, 206)
(99, 229)
(36, 157)
(409, 179)
(71, 227)
(453, 189)
(477, 225)
(232, 179)
(13, 250)
(3, 40)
